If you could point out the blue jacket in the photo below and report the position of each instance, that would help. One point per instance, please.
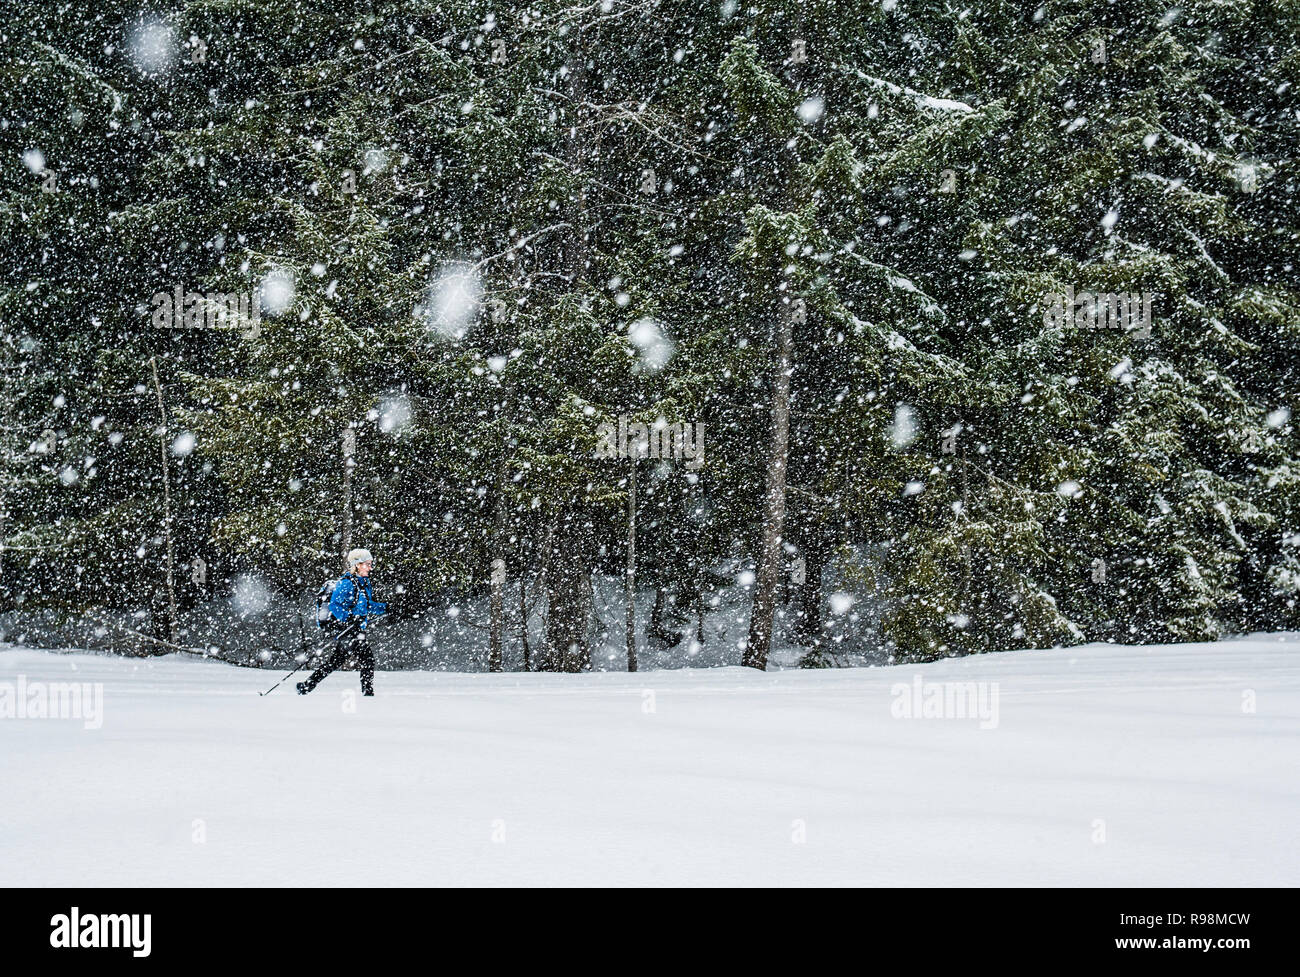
(352, 599)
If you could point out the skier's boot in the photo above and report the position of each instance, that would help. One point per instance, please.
(303, 688)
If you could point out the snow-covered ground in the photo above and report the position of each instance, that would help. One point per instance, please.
(1101, 765)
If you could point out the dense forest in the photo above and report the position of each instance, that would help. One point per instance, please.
(886, 331)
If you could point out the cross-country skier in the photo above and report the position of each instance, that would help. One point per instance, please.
(352, 604)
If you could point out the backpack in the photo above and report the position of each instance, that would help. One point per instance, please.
(324, 619)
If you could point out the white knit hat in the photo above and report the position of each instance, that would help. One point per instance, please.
(359, 556)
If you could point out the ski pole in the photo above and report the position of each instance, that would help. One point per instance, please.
(277, 684)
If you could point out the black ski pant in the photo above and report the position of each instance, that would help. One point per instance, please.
(356, 646)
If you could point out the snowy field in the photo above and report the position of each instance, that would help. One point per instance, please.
(1100, 766)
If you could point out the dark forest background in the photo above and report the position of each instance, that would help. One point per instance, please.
(473, 234)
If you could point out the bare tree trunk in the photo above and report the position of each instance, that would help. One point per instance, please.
(699, 618)
(590, 619)
(349, 453)
(574, 152)
(567, 647)
(167, 508)
(656, 629)
(631, 569)
(497, 624)
(523, 625)
(759, 646)
(498, 580)
(809, 594)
